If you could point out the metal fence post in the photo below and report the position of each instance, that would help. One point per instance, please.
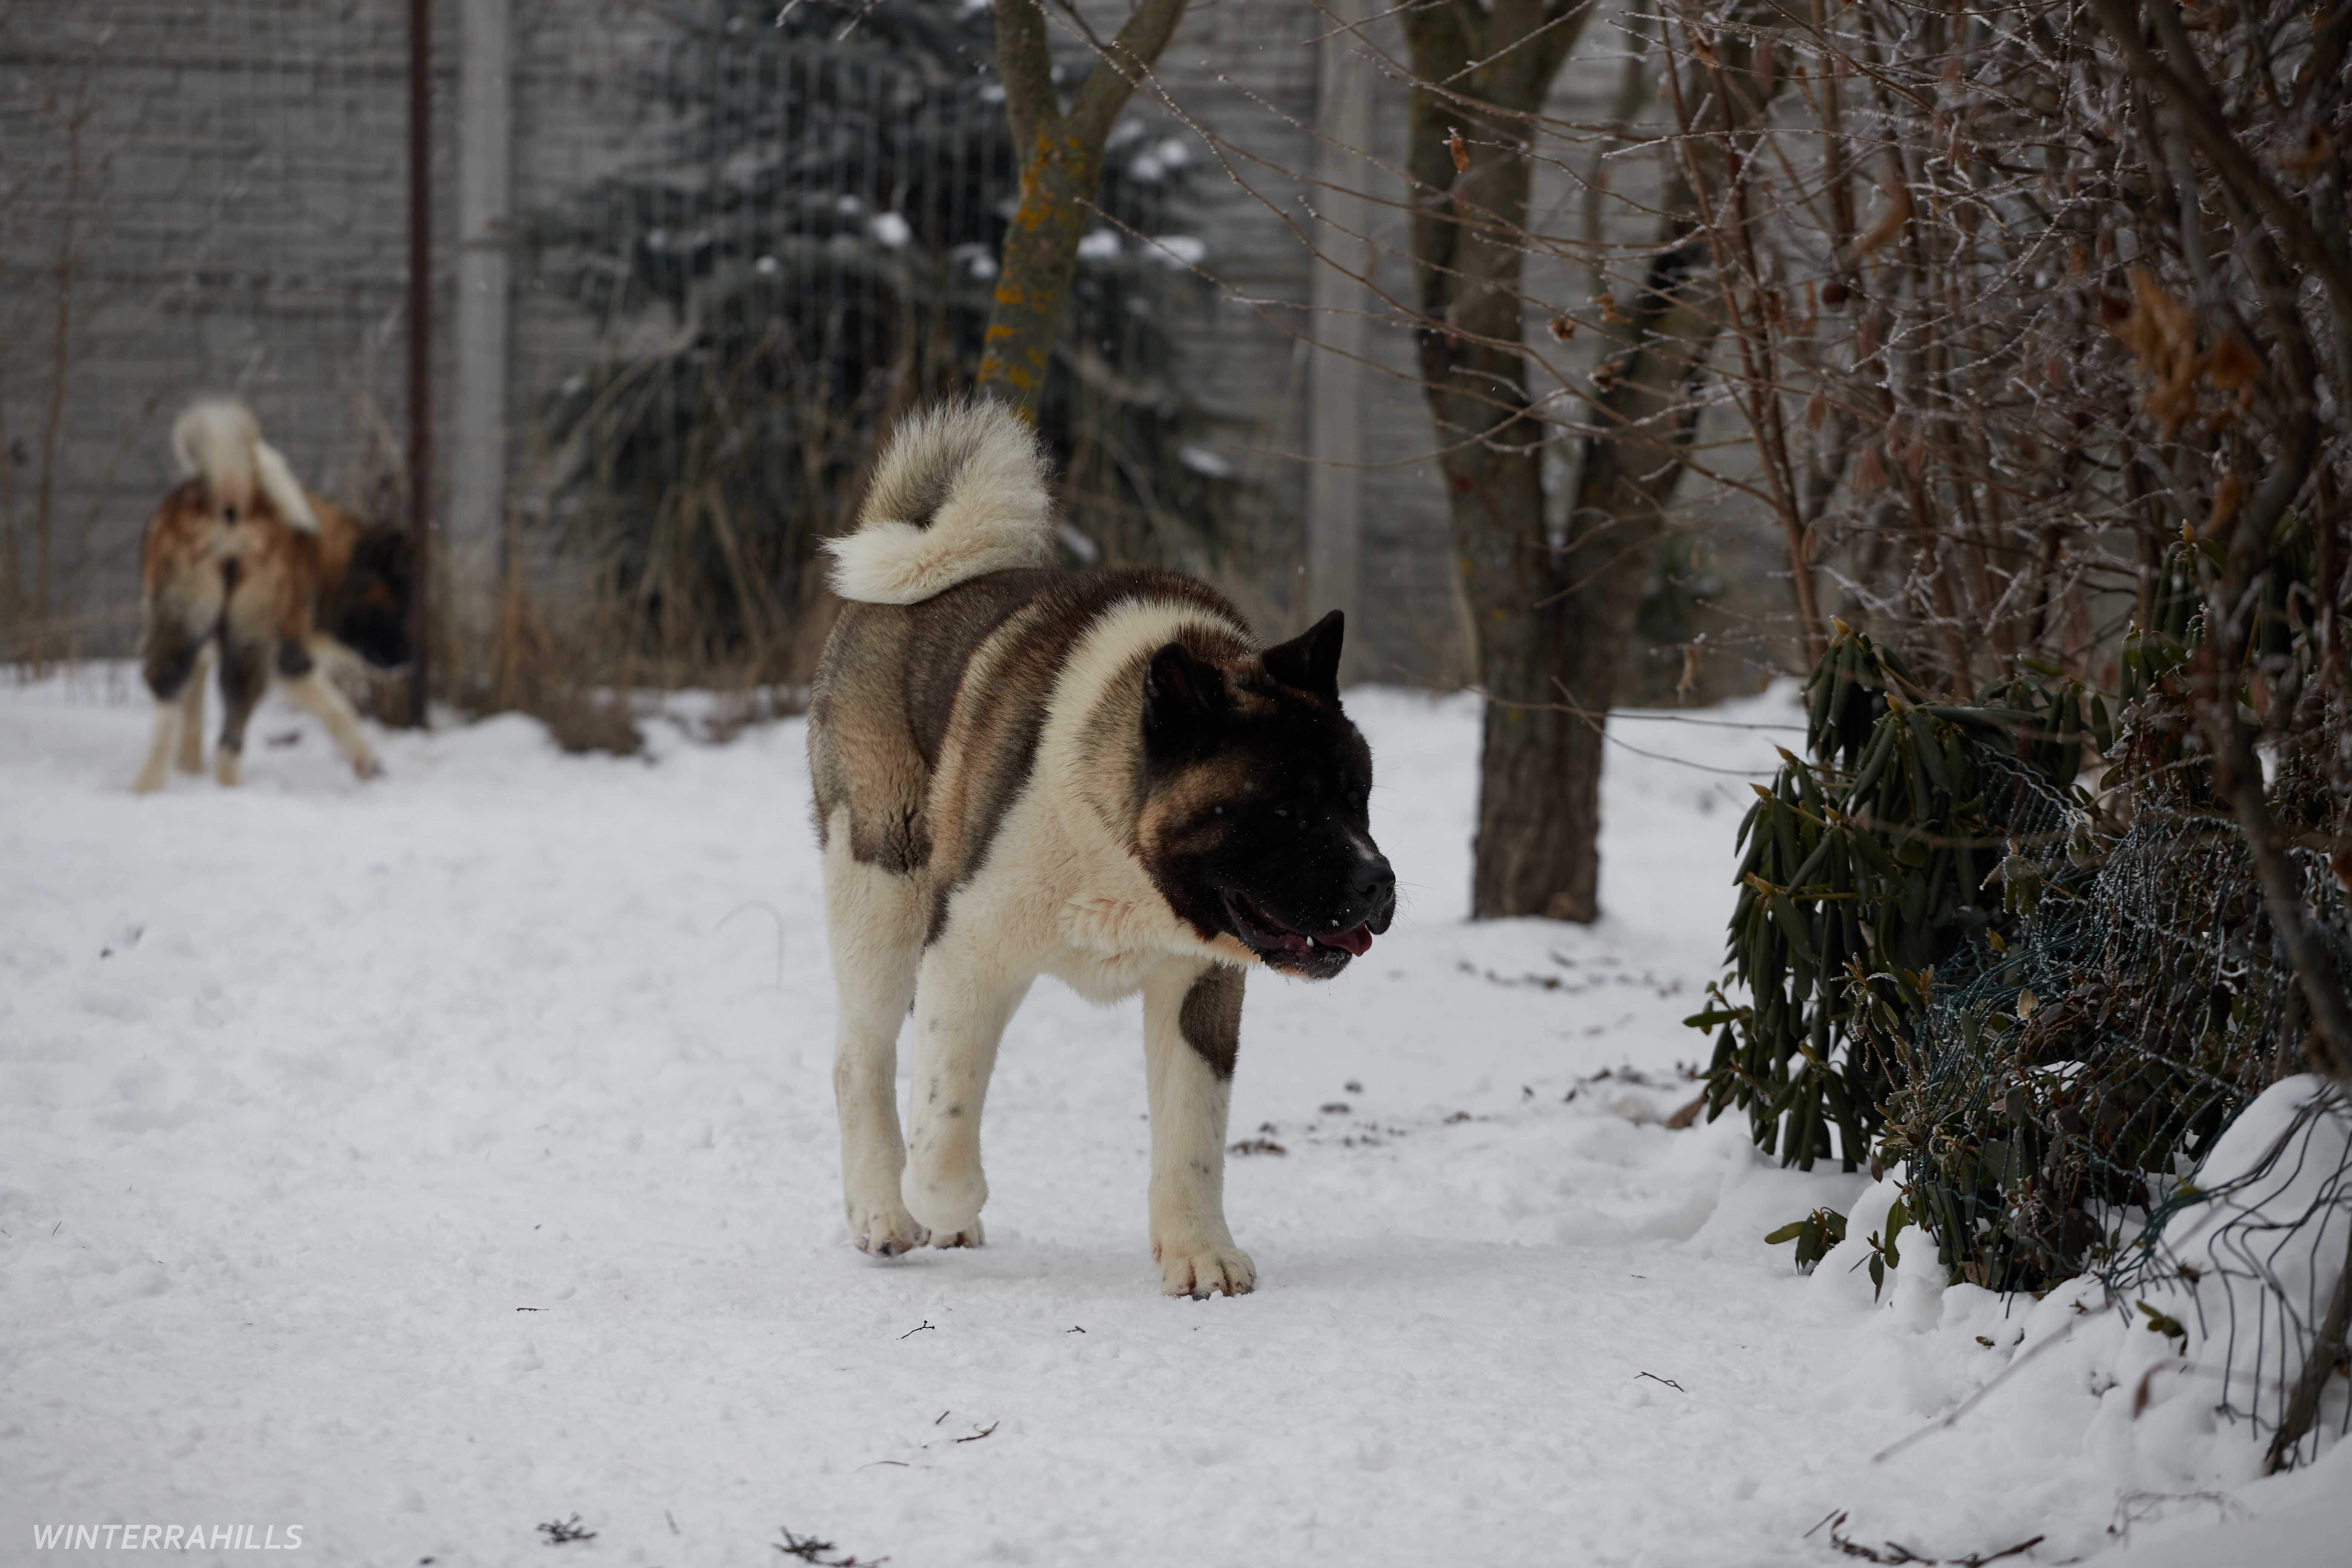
(473, 528)
(1334, 483)
(420, 350)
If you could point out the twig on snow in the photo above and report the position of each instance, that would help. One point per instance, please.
(1895, 1551)
(809, 1549)
(561, 1530)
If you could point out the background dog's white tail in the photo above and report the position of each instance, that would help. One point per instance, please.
(960, 492)
(218, 441)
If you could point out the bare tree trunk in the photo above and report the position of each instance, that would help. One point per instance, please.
(1061, 169)
(1551, 618)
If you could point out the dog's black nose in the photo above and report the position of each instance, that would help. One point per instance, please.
(1375, 888)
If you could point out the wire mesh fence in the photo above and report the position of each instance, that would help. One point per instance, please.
(802, 249)
(2065, 1103)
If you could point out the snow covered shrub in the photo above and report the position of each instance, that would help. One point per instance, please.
(2056, 1097)
(2043, 1003)
(1865, 876)
(811, 255)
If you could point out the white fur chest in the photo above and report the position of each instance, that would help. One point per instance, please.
(1111, 939)
(1101, 977)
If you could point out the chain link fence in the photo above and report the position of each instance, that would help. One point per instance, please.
(739, 242)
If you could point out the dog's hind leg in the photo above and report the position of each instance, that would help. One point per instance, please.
(1191, 1033)
(962, 1002)
(873, 924)
(192, 719)
(169, 665)
(317, 696)
(244, 675)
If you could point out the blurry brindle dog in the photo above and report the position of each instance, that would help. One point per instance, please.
(1098, 775)
(241, 559)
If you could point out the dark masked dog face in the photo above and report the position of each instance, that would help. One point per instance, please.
(1255, 788)
(369, 610)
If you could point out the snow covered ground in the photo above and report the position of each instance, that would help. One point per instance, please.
(423, 1162)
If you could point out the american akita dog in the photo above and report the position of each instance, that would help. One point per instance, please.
(1096, 775)
(242, 558)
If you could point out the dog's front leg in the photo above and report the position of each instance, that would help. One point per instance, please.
(962, 1002)
(1192, 1033)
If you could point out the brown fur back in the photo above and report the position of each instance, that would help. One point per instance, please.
(924, 719)
(250, 579)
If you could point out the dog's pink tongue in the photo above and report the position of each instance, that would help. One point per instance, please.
(1358, 940)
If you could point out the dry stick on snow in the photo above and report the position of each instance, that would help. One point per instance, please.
(809, 1549)
(1895, 1551)
(560, 1531)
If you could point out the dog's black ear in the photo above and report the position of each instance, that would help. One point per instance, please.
(390, 553)
(1184, 698)
(1310, 661)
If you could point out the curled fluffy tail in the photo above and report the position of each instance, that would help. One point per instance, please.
(218, 441)
(960, 492)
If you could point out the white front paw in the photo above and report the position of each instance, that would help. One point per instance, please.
(949, 1200)
(970, 1236)
(1201, 1272)
(884, 1229)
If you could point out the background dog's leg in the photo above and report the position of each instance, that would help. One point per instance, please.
(1191, 1033)
(166, 740)
(192, 719)
(873, 924)
(244, 674)
(962, 1005)
(168, 664)
(317, 696)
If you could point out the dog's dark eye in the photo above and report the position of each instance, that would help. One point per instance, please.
(229, 512)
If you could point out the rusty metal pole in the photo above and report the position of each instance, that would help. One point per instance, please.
(420, 352)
